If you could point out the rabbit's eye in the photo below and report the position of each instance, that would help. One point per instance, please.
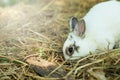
(70, 51)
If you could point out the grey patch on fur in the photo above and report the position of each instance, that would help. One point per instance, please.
(76, 48)
(70, 37)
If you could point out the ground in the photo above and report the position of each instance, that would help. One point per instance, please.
(31, 39)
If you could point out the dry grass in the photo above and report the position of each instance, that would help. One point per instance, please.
(41, 28)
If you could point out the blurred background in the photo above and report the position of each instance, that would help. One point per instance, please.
(4, 3)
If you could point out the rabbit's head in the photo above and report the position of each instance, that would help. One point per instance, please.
(75, 45)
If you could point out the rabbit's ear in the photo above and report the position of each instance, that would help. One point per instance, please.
(80, 28)
(73, 23)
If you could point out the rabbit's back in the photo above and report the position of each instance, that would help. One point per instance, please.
(104, 17)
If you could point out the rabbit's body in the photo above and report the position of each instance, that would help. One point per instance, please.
(103, 24)
(101, 28)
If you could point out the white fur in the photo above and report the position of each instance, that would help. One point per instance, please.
(102, 27)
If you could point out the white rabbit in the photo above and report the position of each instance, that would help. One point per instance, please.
(95, 31)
